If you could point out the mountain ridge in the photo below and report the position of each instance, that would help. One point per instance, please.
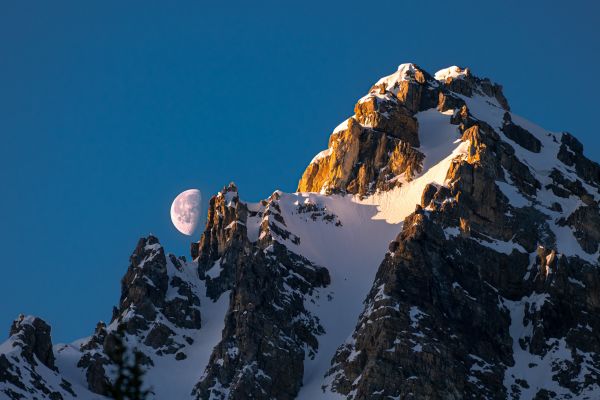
(440, 247)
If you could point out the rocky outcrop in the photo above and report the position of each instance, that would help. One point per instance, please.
(158, 306)
(385, 113)
(145, 289)
(362, 160)
(267, 324)
(427, 322)
(223, 240)
(412, 86)
(95, 362)
(459, 308)
(585, 222)
(571, 154)
(33, 335)
(379, 143)
(490, 287)
(378, 147)
(463, 82)
(520, 135)
(451, 317)
(27, 366)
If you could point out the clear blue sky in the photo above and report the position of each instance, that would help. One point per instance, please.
(108, 110)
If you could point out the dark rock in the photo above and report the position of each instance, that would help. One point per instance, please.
(428, 194)
(267, 324)
(571, 154)
(520, 135)
(586, 223)
(159, 336)
(467, 85)
(33, 335)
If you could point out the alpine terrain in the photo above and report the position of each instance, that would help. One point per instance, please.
(441, 247)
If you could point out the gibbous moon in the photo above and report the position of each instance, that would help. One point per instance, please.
(185, 211)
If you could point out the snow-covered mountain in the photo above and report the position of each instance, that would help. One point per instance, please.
(441, 247)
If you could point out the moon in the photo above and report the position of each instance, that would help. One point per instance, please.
(185, 211)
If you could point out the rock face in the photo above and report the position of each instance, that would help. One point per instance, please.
(27, 363)
(267, 324)
(378, 143)
(223, 241)
(453, 315)
(33, 335)
(378, 147)
(441, 247)
(158, 305)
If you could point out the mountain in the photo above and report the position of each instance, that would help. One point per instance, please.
(441, 247)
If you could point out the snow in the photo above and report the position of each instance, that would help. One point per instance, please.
(437, 136)
(353, 250)
(395, 205)
(450, 72)
(501, 246)
(253, 222)
(415, 316)
(538, 370)
(541, 165)
(184, 374)
(404, 73)
(342, 126)
(381, 215)
(417, 348)
(322, 154)
(51, 378)
(214, 271)
(485, 108)
(67, 357)
(515, 197)
(451, 232)
(152, 247)
(400, 75)
(169, 378)
(368, 225)
(576, 282)
(233, 223)
(230, 197)
(480, 365)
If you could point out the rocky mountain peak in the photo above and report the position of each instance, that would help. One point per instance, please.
(442, 246)
(450, 73)
(158, 310)
(32, 335)
(28, 364)
(379, 146)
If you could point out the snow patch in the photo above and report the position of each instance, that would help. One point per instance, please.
(453, 72)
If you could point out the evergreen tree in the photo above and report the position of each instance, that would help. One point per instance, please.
(129, 379)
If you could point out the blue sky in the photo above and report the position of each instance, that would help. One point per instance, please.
(109, 110)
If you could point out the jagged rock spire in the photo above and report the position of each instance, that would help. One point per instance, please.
(378, 147)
